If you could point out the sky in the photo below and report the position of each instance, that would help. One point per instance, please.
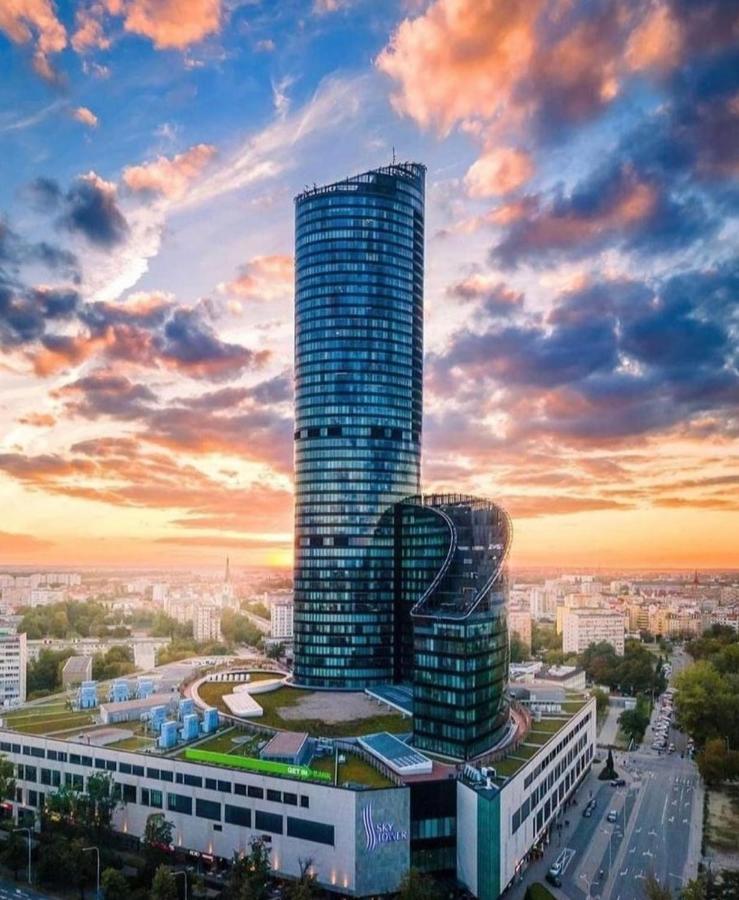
(582, 280)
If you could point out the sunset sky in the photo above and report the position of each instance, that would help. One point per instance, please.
(582, 283)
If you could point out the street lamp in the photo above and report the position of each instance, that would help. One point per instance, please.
(28, 832)
(97, 858)
(183, 872)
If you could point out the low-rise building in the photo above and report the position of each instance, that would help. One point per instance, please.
(585, 626)
(281, 620)
(13, 665)
(76, 670)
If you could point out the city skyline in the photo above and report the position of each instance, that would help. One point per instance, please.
(581, 271)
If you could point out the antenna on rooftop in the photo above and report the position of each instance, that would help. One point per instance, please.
(393, 154)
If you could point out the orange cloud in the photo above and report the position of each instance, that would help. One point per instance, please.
(38, 420)
(89, 34)
(85, 116)
(170, 177)
(262, 278)
(461, 59)
(170, 24)
(12, 544)
(34, 22)
(498, 171)
(656, 42)
(63, 353)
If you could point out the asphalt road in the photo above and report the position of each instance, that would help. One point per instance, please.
(9, 890)
(657, 829)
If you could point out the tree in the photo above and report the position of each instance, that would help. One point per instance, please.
(601, 700)
(7, 779)
(275, 651)
(653, 890)
(164, 885)
(707, 703)
(15, 853)
(415, 885)
(304, 887)
(695, 889)
(609, 769)
(114, 885)
(250, 874)
(716, 763)
(519, 649)
(633, 723)
(157, 840)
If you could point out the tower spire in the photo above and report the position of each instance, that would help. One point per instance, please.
(228, 571)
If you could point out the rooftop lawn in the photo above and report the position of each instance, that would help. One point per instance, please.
(285, 697)
(526, 751)
(548, 725)
(212, 692)
(353, 770)
(507, 767)
(535, 736)
(133, 743)
(52, 722)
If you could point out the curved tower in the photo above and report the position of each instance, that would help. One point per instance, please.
(358, 410)
(453, 588)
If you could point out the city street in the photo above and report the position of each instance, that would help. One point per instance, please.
(10, 891)
(657, 827)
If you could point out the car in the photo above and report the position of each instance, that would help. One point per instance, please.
(555, 868)
(554, 879)
(618, 782)
(671, 748)
(587, 812)
(612, 816)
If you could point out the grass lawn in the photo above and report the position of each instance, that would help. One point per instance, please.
(226, 742)
(526, 750)
(134, 743)
(537, 891)
(212, 692)
(548, 725)
(354, 769)
(51, 722)
(573, 706)
(538, 737)
(507, 767)
(286, 697)
(723, 818)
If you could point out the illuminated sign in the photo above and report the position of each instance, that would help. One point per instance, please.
(253, 764)
(378, 833)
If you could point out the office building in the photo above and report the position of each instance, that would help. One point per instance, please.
(519, 623)
(206, 624)
(359, 246)
(583, 626)
(281, 620)
(13, 664)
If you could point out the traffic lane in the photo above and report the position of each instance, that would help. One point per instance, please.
(656, 844)
(9, 890)
(591, 838)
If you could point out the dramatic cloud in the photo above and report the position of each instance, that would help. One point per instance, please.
(25, 312)
(262, 278)
(493, 297)
(91, 209)
(119, 473)
(167, 23)
(34, 23)
(170, 177)
(498, 171)
(14, 545)
(612, 361)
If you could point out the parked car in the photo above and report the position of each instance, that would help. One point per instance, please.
(555, 868)
(554, 879)
(612, 816)
(618, 782)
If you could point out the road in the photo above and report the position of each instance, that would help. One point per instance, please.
(9, 890)
(657, 829)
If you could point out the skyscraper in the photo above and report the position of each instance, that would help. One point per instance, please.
(359, 247)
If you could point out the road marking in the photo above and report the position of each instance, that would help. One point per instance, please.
(652, 834)
(625, 872)
(685, 821)
(648, 853)
(633, 850)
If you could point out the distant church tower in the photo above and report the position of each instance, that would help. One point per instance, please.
(227, 593)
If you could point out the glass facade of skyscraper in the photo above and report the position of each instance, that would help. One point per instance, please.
(452, 584)
(359, 247)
